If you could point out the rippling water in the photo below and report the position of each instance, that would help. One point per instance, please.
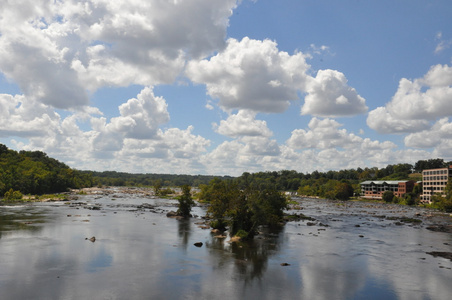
(350, 252)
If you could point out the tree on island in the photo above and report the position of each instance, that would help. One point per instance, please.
(157, 187)
(243, 209)
(185, 201)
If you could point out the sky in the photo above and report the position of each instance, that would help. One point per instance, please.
(222, 87)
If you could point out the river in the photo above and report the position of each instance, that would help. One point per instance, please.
(348, 251)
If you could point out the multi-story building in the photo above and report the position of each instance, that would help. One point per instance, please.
(375, 189)
(434, 181)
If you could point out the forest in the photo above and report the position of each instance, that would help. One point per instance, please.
(33, 172)
(113, 178)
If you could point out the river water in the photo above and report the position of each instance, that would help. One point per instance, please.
(350, 251)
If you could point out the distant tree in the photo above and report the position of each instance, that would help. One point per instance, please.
(343, 191)
(388, 196)
(244, 208)
(410, 199)
(185, 201)
(429, 164)
(364, 175)
(417, 190)
(403, 168)
(305, 190)
(219, 194)
(444, 202)
(157, 187)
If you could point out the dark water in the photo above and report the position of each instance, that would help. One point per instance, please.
(142, 254)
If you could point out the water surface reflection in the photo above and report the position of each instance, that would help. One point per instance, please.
(142, 254)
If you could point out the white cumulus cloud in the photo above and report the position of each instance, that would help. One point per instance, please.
(330, 96)
(57, 50)
(243, 124)
(416, 103)
(20, 116)
(440, 132)
(322, 134)
(251, 74)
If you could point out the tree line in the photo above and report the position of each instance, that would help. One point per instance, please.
(113, 178)
(33, 172)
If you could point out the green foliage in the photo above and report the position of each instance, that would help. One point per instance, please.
(33, 172)
(429, 164)
(185, 201)
(331, 189)
(217, 224)
(388, 196)
(166, 192)
(219, 194)
(12, 195)
(244, 208)
(441, 202)
(417, 189)
(242, 234)
(157, 187)
(410, 199)
(113, 178)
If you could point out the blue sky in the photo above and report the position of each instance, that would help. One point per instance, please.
(222, 86)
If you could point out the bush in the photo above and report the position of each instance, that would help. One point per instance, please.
(12, 195)
(388, 196)
(442, 203)
(166, 192)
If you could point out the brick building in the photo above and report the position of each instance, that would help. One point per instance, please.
(375, 189)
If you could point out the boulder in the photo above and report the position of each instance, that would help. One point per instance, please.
(92, 239)
(172, 214)
(285, 264)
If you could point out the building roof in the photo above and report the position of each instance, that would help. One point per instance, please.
(378, 182)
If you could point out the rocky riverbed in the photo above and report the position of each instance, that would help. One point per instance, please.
(118, 243)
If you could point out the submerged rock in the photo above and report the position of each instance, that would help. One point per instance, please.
(440, 228)
(447, 255)
(92, 239)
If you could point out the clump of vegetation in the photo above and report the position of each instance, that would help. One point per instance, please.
(242, 208)
(410, 220)
(388, 196)
(13, 195)
(329, 189)
(185, 201)
(165, 192)
(443, 202)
